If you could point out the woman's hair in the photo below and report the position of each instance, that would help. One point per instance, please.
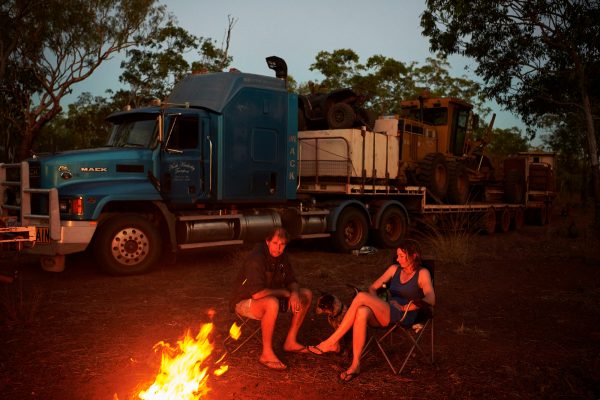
(412, 248)
(280, 233)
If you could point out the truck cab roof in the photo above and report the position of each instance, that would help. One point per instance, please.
(214, 91)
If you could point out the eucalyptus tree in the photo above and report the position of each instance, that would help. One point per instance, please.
(536, 57)
(388, 81)
(60, 43)
(153, 66)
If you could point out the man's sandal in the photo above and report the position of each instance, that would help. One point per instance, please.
(276, 365)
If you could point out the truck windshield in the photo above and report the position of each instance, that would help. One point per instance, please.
(133, 133)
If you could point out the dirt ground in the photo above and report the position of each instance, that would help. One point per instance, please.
(519, 320)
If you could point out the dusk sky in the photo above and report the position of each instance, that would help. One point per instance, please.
(297, 31)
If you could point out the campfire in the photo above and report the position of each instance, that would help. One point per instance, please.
(185, 368)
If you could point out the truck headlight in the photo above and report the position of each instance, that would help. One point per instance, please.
(71, 206)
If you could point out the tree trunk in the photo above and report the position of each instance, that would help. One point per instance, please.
(593, 154)
(26, 143)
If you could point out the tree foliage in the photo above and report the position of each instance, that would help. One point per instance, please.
(537, 58)
(505, 142)
(82, 127)
(150, 70)
(57, 44)
(156, 64)
(387, 81)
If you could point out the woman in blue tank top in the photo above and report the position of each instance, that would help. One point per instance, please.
(410, 288)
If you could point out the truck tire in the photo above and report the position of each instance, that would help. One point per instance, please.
(392, 228)
(433, 174)
(514, 187)
(518, 219)
(458, 183)
(549, 211)
(488, 221)
(539, 215)
(340, 116)
(127, 244)
(367, 118)
(351, 230)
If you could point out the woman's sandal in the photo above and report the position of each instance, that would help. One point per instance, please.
(319, 352)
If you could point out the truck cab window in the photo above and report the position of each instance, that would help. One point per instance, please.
(431, 116)
(133, 133)
(183, 133)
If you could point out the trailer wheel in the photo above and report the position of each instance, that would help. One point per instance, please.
(458, 183)
(488, 221)
(433, 174)
(504, 220)
(127, 244)
(538, 216)
(392, 228)
(340, 116)
(518, 219)
(548, 213)
(351, 230)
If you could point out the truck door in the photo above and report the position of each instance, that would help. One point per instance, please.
(182, 163)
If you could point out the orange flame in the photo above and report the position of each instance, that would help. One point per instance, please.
(235, 331)
(182, 375)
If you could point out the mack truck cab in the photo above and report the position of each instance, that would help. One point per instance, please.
(215, 165)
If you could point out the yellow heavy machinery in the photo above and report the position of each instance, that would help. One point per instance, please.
(438, 150)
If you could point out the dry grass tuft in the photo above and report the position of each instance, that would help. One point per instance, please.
(474, 331)
(18, 303)
(450, 237)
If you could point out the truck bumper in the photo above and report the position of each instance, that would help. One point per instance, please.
(75, 236)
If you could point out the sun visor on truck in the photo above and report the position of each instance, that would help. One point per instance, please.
(214, 91)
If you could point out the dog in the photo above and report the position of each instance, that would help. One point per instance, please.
(335, 310)
(333, 307)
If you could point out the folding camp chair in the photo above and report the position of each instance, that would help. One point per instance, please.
(250, 328)
(413, 334)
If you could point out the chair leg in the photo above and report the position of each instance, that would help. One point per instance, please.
(252, 335)
(415, 343)
(413, 339)
(244, 322)
(431, 327)
(366, 347)
(386, 357)
(378, 341)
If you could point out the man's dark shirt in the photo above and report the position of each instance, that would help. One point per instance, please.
(261, 271)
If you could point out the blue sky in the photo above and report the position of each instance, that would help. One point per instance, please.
(298, 30)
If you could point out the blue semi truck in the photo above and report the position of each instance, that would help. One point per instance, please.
(217, 164)
(221, 162)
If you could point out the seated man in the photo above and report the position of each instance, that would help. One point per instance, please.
(265, 278)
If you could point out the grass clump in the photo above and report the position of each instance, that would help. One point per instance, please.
(450, 236)
(18, 303)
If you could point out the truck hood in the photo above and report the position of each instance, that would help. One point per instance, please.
(107, 163)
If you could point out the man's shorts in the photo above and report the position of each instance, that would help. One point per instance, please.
(244, 307)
